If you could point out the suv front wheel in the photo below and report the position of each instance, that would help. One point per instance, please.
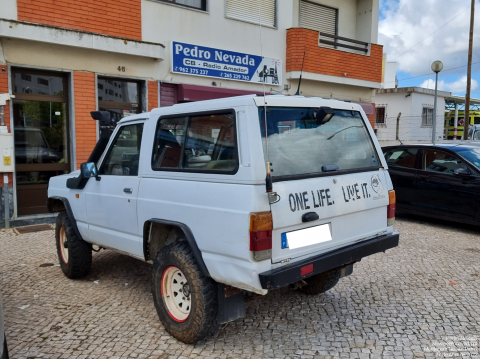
(185, 299)
(74, 254)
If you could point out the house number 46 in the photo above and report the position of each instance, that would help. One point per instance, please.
(121, 68)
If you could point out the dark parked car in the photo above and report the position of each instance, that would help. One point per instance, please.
(3, 340)
(441, 181)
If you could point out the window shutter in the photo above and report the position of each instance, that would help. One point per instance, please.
(318, 17)
(252, 11)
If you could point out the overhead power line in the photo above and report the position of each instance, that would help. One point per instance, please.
(433, 32)
(414, 77)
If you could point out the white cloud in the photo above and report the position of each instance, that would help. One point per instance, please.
(457, 86)
(407, 22)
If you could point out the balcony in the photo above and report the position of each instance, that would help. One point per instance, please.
(331, 58)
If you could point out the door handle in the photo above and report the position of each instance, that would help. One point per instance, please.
(127, 190)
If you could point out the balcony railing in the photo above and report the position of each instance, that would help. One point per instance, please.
(335, 44)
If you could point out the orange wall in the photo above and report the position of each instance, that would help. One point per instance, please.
(6, 109)
(110, 17)
(328, 61)
(85, 126)
(152, 95)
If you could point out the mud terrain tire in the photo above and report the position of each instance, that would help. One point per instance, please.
(320, 283)
(76, 255)
(201, 320)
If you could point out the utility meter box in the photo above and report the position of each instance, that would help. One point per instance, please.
(7, 158)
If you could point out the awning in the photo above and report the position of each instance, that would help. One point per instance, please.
(187, 93)
(368, 107)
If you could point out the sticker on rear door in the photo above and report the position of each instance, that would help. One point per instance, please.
(377, 187)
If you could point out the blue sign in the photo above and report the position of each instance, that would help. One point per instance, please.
(197, 60)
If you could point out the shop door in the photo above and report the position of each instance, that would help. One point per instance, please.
(40, 113)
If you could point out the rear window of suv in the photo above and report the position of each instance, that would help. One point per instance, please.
(299, 147)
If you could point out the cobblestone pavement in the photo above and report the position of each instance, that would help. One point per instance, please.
(393, 305)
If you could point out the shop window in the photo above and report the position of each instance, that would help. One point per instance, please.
(249, 11)
(196, 4)
(199, 143)
(34, 84)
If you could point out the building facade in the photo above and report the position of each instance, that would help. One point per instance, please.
(61, 59)
(413, 108)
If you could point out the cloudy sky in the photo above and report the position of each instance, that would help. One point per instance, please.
(404, 23)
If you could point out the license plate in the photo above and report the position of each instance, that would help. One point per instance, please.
(306, 237)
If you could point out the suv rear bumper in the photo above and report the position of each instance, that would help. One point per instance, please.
(285, 275)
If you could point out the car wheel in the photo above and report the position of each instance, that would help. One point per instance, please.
(74, 254)
(185, 299)
(5, 350)
(320, 283)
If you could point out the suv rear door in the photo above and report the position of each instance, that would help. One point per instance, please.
(331, 170)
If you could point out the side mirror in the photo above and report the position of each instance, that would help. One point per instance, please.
(89, 169)
(462, 171)
(323, 115)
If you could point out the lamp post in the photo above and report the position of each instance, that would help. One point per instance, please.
(437, 66)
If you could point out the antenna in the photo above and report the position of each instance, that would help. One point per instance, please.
(300, 80)
(268, 179)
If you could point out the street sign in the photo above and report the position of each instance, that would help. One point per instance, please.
(188, 59)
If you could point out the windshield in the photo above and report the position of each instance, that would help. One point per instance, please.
(299, 146)
(471, 154)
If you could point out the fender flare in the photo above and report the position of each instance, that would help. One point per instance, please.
(68, 209)
(188, 235)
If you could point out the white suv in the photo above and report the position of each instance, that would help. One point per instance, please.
(227, 197)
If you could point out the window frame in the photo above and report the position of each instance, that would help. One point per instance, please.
(425, 116)
(120, 105)
(418, 154)
(174, 3)
(319, 4)
(188, 116)
(112, 141)
(275, 16)
(441, 149)
(384, 123)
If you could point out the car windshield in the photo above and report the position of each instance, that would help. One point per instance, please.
(298, 145)
(471, 154)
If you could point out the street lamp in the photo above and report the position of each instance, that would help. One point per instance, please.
(437, 66)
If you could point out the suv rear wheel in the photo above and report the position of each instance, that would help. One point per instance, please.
(74, 254)
(320, 283)
(186, 300)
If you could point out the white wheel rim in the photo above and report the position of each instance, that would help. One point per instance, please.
(176, 294)
(62, 238)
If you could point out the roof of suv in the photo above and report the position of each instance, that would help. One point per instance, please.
(258, 100)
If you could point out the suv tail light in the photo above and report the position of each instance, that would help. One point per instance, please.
(261, 225)
(392, 203)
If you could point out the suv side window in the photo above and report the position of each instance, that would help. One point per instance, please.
(402, 157)
(123, 155)
(440, 161)
(197, 143)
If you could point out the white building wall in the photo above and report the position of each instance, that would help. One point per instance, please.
(8, 9)
(411, 108)
(390, 75)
